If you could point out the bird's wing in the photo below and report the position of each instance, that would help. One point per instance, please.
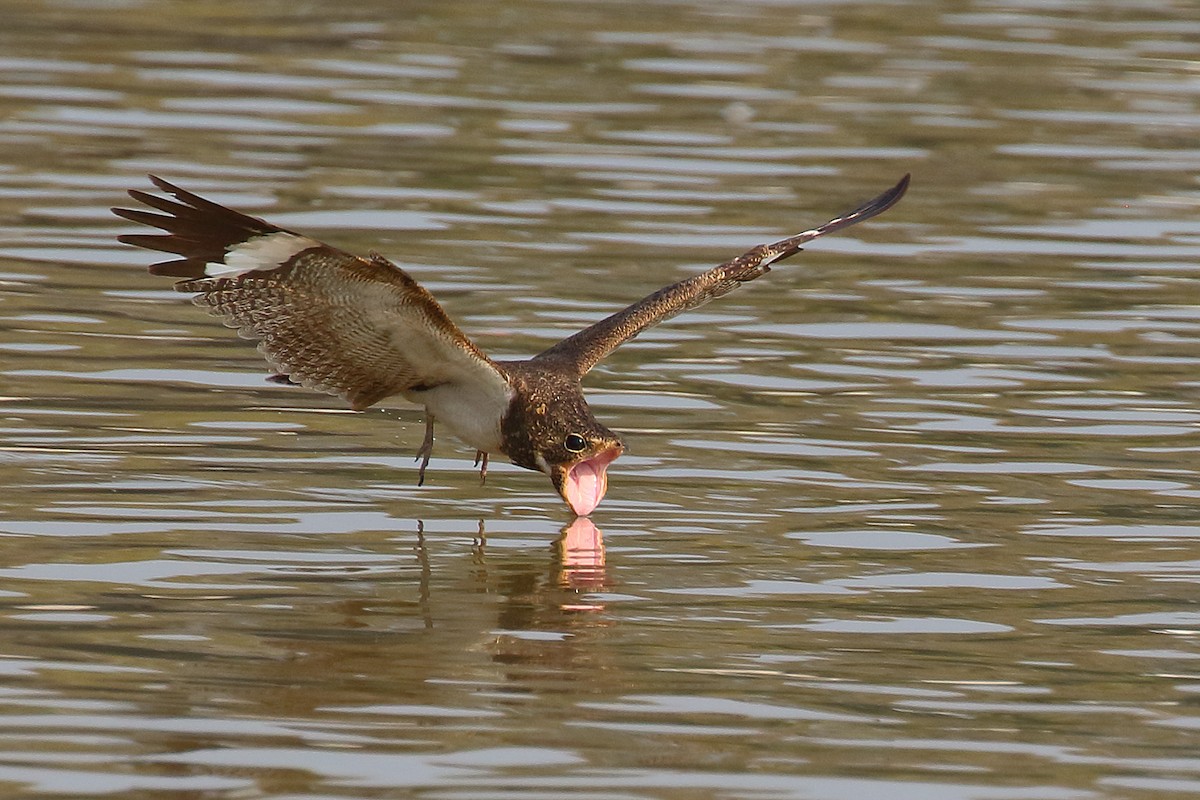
(359, 328)
(587, 348)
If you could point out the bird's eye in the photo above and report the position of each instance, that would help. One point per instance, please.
(575, 443)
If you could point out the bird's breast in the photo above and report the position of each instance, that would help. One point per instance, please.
(472, 413)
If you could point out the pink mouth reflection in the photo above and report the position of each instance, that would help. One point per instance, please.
(582, 547)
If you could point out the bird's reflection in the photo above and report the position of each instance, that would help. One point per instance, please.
(577, 565)
(442, 617)
(580, 556)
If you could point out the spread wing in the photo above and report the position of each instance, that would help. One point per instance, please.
(359, 328)
(587, 348)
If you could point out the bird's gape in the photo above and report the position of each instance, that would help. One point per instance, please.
(586, 482)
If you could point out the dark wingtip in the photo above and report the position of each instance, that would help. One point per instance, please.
(884, 201)
(197, 229)
(170, 188)
(138, 194)
(901, 186)
(873, 207)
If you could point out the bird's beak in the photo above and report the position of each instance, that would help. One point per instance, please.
(584, 483)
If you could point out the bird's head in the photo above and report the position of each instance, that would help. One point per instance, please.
(581, 475)
(550, 428)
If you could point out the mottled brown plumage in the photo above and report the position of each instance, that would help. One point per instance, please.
(365, 330)
(337, 344)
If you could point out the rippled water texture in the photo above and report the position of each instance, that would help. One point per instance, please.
(913, 517)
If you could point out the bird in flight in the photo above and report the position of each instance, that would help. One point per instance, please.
(364, 329)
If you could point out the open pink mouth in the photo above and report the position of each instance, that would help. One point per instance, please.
(585, 483)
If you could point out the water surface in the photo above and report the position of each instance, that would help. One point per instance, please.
(911, 517)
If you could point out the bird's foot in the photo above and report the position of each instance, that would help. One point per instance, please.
(426, 450)
(481, 457)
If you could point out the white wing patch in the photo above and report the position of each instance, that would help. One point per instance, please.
(775, 253)
(265, 252)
